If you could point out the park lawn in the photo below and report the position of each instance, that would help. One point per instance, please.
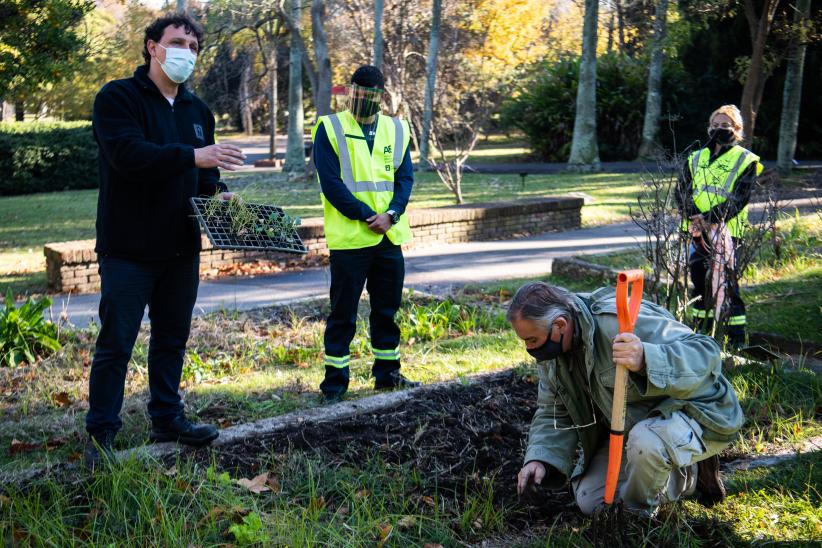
(374, 486)
(28, 222)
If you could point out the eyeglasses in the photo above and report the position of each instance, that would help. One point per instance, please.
(576, 426)
(722, 125)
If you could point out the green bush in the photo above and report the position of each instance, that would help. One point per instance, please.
(24, 334)
(544, 106)
(46, 157)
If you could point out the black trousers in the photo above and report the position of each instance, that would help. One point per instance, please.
(381, 270)
(702, 310)
(169, 288)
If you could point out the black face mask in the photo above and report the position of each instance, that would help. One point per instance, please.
(721, 135)
(547, 351)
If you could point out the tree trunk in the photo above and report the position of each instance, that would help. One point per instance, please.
(19, 111)
(272, 102)
(430, 80)
(653, 102)
(610, 45)
(295, 152)
(322, 97)
(245, 100)
(755, 79)
(379, 42)
(181, 6)
(620, 25)
(584, 150)
(792, 93)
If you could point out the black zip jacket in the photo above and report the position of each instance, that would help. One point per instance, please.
(147, 172)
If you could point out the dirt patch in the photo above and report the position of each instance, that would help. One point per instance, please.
(458, 437)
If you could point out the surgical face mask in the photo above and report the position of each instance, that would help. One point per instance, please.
(723, 136)
(179, 63)
(548, 351)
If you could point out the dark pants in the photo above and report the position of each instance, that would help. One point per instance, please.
(702, 310)
(169, 288)
(381, 269)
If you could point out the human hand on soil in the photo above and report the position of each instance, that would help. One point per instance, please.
(379, 223)
(532, 473)
(222, 156)
(628, 351)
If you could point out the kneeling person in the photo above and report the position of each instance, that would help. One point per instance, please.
(681, 410)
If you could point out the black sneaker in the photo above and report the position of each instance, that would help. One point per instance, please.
(183, 430)
(709, 487)
(394, 379)
(99, 449)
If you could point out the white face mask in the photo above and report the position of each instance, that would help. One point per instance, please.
(179, 63)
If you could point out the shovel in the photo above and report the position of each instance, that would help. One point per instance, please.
(626, 314)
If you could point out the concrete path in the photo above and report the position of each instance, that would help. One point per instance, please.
(434, 269)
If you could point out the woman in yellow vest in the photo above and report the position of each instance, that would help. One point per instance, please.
(364, 168)
(715, 185)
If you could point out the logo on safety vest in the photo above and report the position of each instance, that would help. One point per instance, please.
(387, 150)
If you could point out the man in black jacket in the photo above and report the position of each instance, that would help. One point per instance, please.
(157, 150)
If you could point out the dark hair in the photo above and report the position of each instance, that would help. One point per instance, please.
(156, 29)
(368, 76)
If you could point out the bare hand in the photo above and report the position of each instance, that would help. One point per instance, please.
(379, 223)
(221, 156)
(532, 473)
(628, 352)
(226, 196)
(697, 225)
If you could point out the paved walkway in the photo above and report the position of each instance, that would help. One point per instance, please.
(435, 269)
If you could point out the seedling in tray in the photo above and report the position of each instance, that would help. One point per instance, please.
(235, 224)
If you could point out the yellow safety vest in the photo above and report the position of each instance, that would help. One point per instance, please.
(368, 175)
(712, 183)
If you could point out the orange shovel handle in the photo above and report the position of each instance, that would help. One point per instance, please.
(627, 312)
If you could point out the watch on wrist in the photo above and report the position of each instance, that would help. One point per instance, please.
(395, 217)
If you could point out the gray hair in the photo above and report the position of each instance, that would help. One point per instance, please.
(542, 304)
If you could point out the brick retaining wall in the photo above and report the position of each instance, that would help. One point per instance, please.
(72, 266)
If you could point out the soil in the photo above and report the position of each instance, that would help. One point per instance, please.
(455, 436)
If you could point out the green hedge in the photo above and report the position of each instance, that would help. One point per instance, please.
(45, 157)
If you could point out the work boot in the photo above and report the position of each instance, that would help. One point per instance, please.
(332, 397)
(394, 379)
(709, 487)
(184, 431)
(99, 449)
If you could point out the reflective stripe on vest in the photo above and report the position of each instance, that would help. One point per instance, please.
(348, 169)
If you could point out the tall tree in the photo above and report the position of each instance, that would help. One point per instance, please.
(245, 93)
(653, 101)
(379, 42)
(792, 93)
(584, 151)
(181, 6)
(40, 43)
(295, 149)
(759, 27)
(430, 79)
(322, 96)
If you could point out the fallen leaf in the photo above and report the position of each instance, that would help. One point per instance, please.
(431, 545)
(274, 484)
(256, 485)
(428, 500)
(407, 522)
(54, 443)
(171, 471)
(61, 398)
(18, 447)
(477, 523)
(361, 494)
(316, 503)
(385, 531)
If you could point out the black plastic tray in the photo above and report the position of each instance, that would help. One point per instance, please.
(274, 230)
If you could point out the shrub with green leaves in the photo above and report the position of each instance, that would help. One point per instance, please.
(47, 157)
(25, 334)
(544, 105)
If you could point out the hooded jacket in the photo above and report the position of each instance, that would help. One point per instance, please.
(683, 372)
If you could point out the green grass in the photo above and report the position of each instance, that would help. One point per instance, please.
(28, 222)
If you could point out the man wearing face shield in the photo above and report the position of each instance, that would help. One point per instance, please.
(713, 192)
(681, 411)
(365, 173)
(157, 150)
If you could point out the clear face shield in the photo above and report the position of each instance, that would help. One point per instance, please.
(364, 105)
